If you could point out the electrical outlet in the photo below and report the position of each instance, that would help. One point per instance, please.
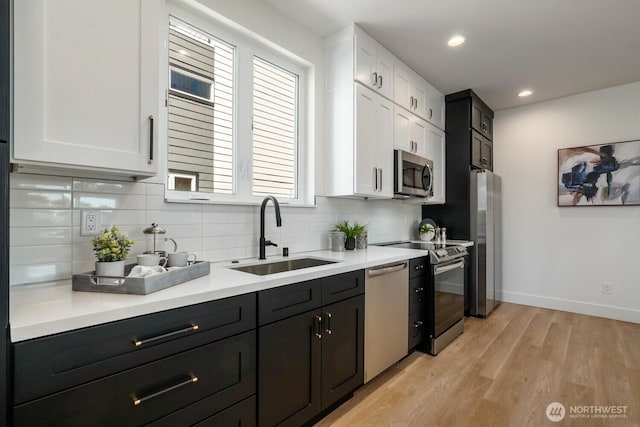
(607, 288)
(89, 223)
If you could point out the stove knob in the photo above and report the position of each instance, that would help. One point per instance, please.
(441, 252)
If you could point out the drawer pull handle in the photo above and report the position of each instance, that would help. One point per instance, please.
(317, 322)
(327, 328)
(138, 400)
(138, 343)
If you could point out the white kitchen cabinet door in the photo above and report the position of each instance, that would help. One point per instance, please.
(384, 146)
(418, 134)
(401, 126)
(410, 90)
(401, 86)
(86, 84)
(373, 150)
(373, 64)
(436, 151)
(435, 107)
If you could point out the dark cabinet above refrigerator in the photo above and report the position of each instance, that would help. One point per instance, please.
(469, 129)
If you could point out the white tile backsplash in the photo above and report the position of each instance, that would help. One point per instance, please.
(45, 236)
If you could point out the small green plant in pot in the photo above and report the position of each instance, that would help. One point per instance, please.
(111, 248)
(350, 233)
(427, 232)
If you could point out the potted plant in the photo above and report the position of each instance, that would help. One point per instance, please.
(111, 248)
(427, 232)
(350, 233)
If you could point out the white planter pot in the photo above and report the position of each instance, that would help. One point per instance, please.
(427, 236)
(112, 269)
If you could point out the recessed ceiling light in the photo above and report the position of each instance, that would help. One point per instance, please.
(183, 52)
(456, 40)
(524, 93)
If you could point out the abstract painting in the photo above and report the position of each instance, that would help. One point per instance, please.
(600, 175)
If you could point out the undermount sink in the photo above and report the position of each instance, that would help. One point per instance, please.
(282, 266)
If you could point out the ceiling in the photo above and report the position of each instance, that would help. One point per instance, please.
(554, 47)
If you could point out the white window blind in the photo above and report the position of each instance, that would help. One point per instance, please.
(275, 130)
(200, 134)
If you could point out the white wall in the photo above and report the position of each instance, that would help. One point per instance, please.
(559, 257)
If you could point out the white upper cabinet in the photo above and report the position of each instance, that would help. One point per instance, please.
(373, 64)
(435, 107)
(416, 95)
(86, 85)
(373, 145)
(409, 132)
(435, 150)
(410, 90)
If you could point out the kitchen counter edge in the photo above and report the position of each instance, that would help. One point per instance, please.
(42, 309)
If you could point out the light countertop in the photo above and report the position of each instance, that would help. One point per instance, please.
(48, 308)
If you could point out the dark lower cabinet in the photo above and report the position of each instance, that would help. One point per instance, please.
(342, 349)
(417, 294)
(311, 360)
(213, 376)
(150, 370)
(289, 366)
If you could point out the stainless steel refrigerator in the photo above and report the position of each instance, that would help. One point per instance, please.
(485, 219)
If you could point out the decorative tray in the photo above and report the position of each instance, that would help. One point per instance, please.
(89, 282)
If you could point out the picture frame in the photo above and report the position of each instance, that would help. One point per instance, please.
(599, 175)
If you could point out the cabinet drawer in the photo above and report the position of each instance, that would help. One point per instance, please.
(286, 301)
(223, 372)
(84, 355)
(198, 415)
(416, 294)
(417, 267)
(242, 414)
(342, 286)
(416, 328)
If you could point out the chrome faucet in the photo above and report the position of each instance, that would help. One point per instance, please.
(264, 243)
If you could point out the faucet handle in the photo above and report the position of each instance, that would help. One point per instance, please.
(270, 243)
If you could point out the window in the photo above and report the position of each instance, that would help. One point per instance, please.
(200, 110)
(275, 130)
(235, 110)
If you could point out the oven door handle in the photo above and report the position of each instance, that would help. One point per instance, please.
(448, 267)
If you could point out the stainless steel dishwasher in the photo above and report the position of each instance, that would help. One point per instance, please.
(386, 329)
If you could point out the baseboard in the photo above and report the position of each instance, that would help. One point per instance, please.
(598, 310)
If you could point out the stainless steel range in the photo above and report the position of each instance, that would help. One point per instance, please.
(444, 303)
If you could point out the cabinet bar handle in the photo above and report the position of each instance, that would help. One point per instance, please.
(375, 179)
(411, 101)
(150, 161)
(316, 327)
(374, 79)
(327, 327)
(430, 113)
(416, 107)
(138, 400)
(379, 82)
(380, 180)
(138, 343)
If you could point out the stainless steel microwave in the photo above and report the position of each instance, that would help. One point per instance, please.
(413, 175)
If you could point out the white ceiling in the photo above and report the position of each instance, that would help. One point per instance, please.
(554, 47)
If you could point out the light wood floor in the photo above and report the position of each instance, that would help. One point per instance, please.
(505, 371)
